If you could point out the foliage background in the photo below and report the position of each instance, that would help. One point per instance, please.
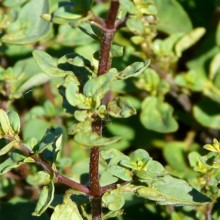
(189, 83)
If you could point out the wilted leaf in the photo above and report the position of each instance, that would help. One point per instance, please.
(157, 116)
(46, 197)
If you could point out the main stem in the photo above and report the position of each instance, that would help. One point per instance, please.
(104, 65)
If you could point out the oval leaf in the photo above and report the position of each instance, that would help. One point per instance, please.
(91, 139)
(157, 116)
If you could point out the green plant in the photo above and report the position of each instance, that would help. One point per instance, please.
(91, 98)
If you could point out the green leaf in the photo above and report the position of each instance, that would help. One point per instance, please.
(7, 147)
(171, 15)
(120, 172)
(39, 178)
(5, 124)
(91, 139)
(113, 200)
(129, 6)
(97, 87)
(188, 40)
(117, 50)
(14, 121)
(133, 70)
(75, 98)
(218, 35)
(166, 191)
(29, 26)
(135, 25)
(207, 113)
(81, 7)
(120, 108)
(68, 210)
(45, 199)
(48, 65)
(157, 116)
(7, 165)
(51, 144)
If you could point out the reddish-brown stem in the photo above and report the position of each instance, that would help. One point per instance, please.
(104, 65)
(58, 177)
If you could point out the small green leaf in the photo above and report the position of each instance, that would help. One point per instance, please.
(5, 123)
(188, 40)
(14, 121)
(75, 98)
(29, 26)
(7, 147)
(157, 116)
(45, 199)
(117, 51)
(113, 200)
(129, 6)
(120, 172)
(135, 25)
(97, 87)
(120, 108)
(68, 210)
(90, 139)
(166, 191)
(39, 178)
(133, 70)
(215, 147)
(7, 165)
(48, 65)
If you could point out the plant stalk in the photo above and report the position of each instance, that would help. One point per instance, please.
(104, 66)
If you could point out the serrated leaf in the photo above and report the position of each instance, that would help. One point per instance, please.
(29, 26)
(14, 121)
(48, 65)
(133, 70)
(157, 116)
(45, 199)
(113, 200)
(120, 172)
(120, 108)
(91, 139)
(5, 123)
(188, 40)
(166, 191)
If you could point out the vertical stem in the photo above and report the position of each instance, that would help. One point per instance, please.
(104, 65)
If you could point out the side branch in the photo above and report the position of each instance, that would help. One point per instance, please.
(59, 178)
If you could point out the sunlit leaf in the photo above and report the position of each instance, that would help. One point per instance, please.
(113, 200)
(29, 26)
(45, 199)
(157, 116)
(91, 139)
(166, 191)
